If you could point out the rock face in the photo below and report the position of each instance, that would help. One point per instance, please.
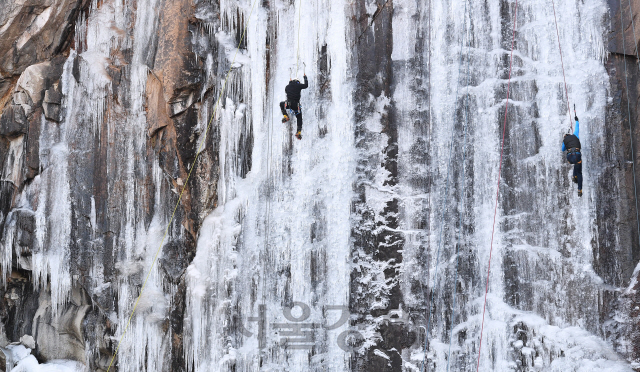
(622, 67)
(378, 244)
(34, 32)
(56, 71)
(141, 153)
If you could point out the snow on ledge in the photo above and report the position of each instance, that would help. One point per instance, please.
(21, 359)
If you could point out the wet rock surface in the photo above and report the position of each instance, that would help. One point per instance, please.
(377, 245)
(622, 134)
(33, 32)
(37, 38)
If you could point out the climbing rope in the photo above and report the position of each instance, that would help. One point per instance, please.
(562, 63)
(495, 210)
(633, 159)
(633, 28)
(269, 188)
(200, 147)
(429, 64)
(269, 191)
(460, 227)
(429, 181)
(444, 202)
(298, 47)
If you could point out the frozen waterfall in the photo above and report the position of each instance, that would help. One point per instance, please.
(341, 251)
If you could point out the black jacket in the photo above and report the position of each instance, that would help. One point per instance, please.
(294, 88)
(571, 141)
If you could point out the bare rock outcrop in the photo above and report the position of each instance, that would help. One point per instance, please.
(33, 31)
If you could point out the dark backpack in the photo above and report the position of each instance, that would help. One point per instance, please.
(571, 141)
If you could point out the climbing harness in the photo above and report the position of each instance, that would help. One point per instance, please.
(291, 110)
(495, 210)
(204, 137)
(633, 159)
(444, 203)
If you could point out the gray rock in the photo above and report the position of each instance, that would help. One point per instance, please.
(13, 121)
(33, 81)
(26, 228)
(34, 31)
(22, 98)
(19, 233)
(51, 105)
(182, 102)
(51, 96)
(61, 337)
(13, 162)
(20, 303)
(28, 341)
(4, 366)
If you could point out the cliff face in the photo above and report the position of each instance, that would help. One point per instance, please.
(622, 113)
(86, 174)
(341, 251)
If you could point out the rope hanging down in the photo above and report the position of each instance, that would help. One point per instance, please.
(562, 63)
(464, 159)
(270, 188)
(444, 202)
(427, 185)
(186, 182)
(298, 47)
(633, 28)
(633, 159)
(495, 210)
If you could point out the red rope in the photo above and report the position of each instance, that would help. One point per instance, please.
(495, 211)
(561, 61)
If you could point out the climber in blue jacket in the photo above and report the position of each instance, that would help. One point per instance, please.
(571, 143)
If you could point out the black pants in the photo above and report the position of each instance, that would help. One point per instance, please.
(295, 107)
(575, 158)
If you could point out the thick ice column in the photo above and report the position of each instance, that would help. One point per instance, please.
(542, 281)
(280, 234)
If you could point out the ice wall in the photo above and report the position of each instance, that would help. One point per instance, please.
(544, 274)
(405, 113)
(280, 233)
(343, 250)
(99, 206)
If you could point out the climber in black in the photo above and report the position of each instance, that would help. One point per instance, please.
(571, 143)
(292, 103)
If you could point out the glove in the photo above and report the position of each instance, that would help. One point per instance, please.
(577, 118)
